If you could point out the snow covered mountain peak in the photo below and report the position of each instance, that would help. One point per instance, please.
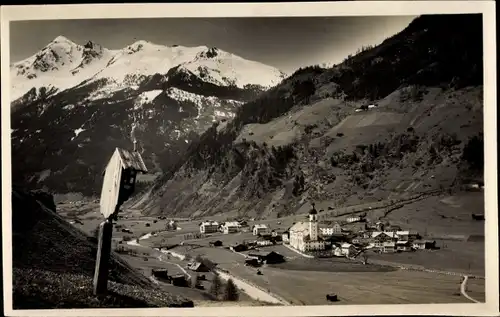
(63, 64)
(62, 39)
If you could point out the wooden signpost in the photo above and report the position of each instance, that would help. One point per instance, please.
(118, 185)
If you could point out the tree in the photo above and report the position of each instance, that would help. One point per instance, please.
(231, 292)
(473, 153)
(216, 288)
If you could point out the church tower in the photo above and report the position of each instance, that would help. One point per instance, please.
(313, 224)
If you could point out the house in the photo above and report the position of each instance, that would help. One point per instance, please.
(209, 227)
(285, 237)
(378, 238)
(239, 247)
(403, 246)
(424, 244)
(230, 227)
(259, 229)
(304, 236)
(274, 234)
(337, 251)
(160, 273)
(353, 219)
(252, 262)
(347, 249)
(403, 235)
(264, 242)
(216, 243)
(389, 247)
(267, 257)
(178, 280)
(329, 231)
(198, 267)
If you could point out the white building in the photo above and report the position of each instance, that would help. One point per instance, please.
(304, 236)
(329, 231)
(230, 227)
(347, 249)
(264, 243)
(209, 227)
(285, 237)
(353, 219)
(259, 229)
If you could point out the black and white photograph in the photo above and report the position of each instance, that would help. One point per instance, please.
(250, 162)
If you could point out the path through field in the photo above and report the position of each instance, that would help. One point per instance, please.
(463, 288)
(179, 266)
(252, 291)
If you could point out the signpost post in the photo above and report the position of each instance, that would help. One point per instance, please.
(118, 186)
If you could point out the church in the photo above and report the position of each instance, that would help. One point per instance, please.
(304, 236)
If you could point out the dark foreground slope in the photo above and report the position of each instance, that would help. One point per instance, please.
(307, 139)
(53, 264)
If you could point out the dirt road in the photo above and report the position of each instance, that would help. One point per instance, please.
(463, 288)
(253, 291)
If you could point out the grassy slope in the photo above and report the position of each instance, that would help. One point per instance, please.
(53, 265)
(296, 141)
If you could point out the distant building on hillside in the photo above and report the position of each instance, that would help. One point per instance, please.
(209, 227)
(259, 229)
(304, 236)
(352, 219)
(230, 227)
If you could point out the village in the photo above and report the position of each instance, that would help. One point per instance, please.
(321, 253)
(348, 238)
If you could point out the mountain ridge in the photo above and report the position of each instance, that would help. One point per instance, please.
(313, 137)
(64, 135)
(69, 64)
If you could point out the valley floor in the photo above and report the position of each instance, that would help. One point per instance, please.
(306, 282)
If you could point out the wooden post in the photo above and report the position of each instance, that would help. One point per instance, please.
(103, 256)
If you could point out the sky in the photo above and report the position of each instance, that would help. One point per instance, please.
(283, 42)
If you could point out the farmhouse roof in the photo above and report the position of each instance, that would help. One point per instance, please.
(260, 226)
(209, 223)
(345, 245)
(232, 224)
(130, 160)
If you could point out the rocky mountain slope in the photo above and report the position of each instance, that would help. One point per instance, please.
(400, 118)
(73, 104)
(53, 264)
